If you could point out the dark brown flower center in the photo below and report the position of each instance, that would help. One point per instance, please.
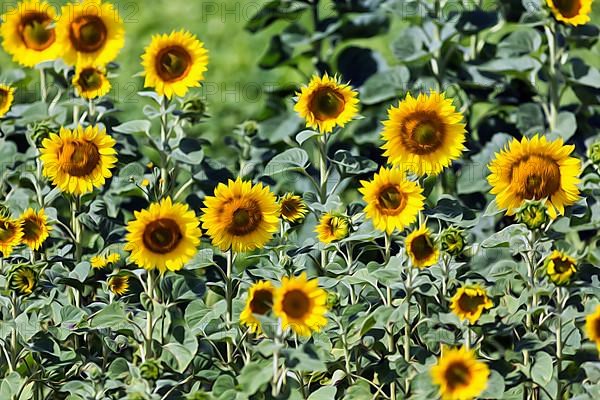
(245, 219)
(421, 247)
(391, 200)
(35, 32)
(596, 326)
(561, 266)
(422, 132)
(536, 177)
(296, 303)
(457, 375)
(290, 208)
(173, 63)
(79, 158)
(88, 33)
(31, 229)
(3, 97)
(90, 79)
(162, 235)
(469, 303)
(261, 302)
(7, 230)
(327, 103)
(568, 8)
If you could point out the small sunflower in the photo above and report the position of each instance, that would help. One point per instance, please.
(113, 258)
(332, 227)
(424, 135)
(393, 202)
(23, 280)
(98, 262)
(325, 103)
(571, 12)
(535, 169)
(469, 302)
(293, 208)
(453, 241)
(7, 96)
(28, 33)
(35, 228)
(240, 215)
(592, 326)
(118, 284)
(259, 302)
(91, 82)
(11, 233)
(164, 236)
(421, 248)
(174, 63)
(459, 374)
(560, 267)
(79, 160)
(301, 305)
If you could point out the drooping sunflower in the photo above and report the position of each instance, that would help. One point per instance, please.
(326, 103)
(259, 302)
(571, 12)
(91, 82)
(90, 31)
(301, 305)
(78, 161)
(174, 63)
(35, 228)
(293, 208)
(535, 169)
(240, 215)
(23, 280)
(332, 227)
(592, 326)
(98, 262)
(393, 202)
(560, 267)
(118, 284)
(164, 236)
(424, 135)
(459, 374)
(28, 33)
(421, 248)
(11, 233)
(469, 302)
(7, 96)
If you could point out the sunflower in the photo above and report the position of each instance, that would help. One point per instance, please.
(293, 208)
(259, 302)
(164, 236)
(393, 202)
(301, 305)
(240, 215)
(35, 228)
(459, 374)
(332, 227)
(592, 326)
(23, 280)
(90, 31)
(11, 233)
(118, 284)
(28, 33)
(7, 96)
(79, 160)
(113, 258)
(469, 302)
(571, 12)
(535, 169)
(91, 82)
(174, 63)
(560, 267)
(424, 135)
(325, 103)
(421, 248)
(98, 262)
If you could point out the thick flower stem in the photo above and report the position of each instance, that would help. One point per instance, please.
(150, 284)
(391, 341)
(553, 90)
(164, 141)
(323, 171)
(76, 229)
(13, 339)
(43, 89)
(407, 329)
(229, 300)
(559, 342)
(277, 340)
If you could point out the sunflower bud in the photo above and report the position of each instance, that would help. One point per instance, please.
(333, 299)
(150, 369)
(23, 280)
(249, 128)
(533, 214)
(593, 152)
(193, 110)
(453, 241)
(40, 130)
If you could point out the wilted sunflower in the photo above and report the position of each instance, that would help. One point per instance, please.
(325, 103)
(79, 160)
(23, 280)
(174, 63)
(535, 169)
(592, 326)
(421, 248)
(118, 284)
(98, 262)
(459, 374)
(90, 81)
(560, 267)
(301, 305)
(293, 208)
(469, 302)
(164, 236)
(423, 135)
(35, 228)
(11, 233)
(7, 96)
(571, 12)
(393, 202)
(259, 302)
(90, 31)
(28, 33)
(240, 215)
(332, 227)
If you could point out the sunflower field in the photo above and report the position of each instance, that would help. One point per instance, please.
(299, 199)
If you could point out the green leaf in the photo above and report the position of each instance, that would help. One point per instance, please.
(112, 316)
(132, 127)
(305, 135)
(495, 386)
(566, 125)
(324, 393)
(254, 375)
(541, 371)
(289, 160)
(523, 41)
(505, 236)
(276, 54)
(274, 11)
(385, 85)
(81, 271)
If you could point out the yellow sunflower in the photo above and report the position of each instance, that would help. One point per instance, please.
(11, 233)
(592, 326)
(393, 202)
(98, 262)
(560, 267)
(91, 82)
(240, 215)
(535, 169)
(28, 33)
(118, 284)
(90, 31)
(35, 228)
(325, 103)
(421, 248)
(79, 160)
(164, 236)
(469, 302)
(259, 302)
(301, 305)
(332, 227)
(174, 63)
(113, 258)
(571, 12)
(459, 374)
(424, 135)
(293, 208)
(23, 280)
(7, 96)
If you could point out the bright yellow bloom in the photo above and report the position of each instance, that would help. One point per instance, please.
(11, 232)
(23, 280)
(35, 228)
(118, 284)
(259, 302)
(421, 248)
(332, 227)
(469, 302)
(571, 12)
(459, 374)
(560, 267)
(7, 96)
(91, 82)
(592, 326)
(113, 258)
(293, 208)
(98, 262)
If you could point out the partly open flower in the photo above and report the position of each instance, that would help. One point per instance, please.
(113, 258)
(469, 302)
(571, 12)
(560, 267)
(293, 208)
(118, 284)
(459, 374)
(7, 96)
(91, 81)
(592, 326)
(98, 262)
(11, 232)
(259, 302)
(35, 228)
(23, 280)
(421, 248)
(453, 241)
(533, 214)
(332, 227)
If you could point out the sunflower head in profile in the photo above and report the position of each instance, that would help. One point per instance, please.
(118, 284)
(571, 12)
(469, 302)
(240, 215)
(28, 33)
(259, 302)
(301, 305)
(174, 63)
(560, 267)
(91, 82)
(423, 135)
(78, 160)
(35, 228)
(535, 169)
(165, 236)
(11, 233)
(459, 374)
(7, 96)
(393, 202)
(293, 208)
(421, 248)
(332, 227)
(326, 103)
(592, 326)
(23, 280)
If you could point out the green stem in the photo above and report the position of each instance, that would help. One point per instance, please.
(43, 89)
(559, 342)
(553, 90)
(150, 284)
(408, 329)
(13, 340)
(229, 300)
(164, 138)
(323, 173)
(274, 385)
